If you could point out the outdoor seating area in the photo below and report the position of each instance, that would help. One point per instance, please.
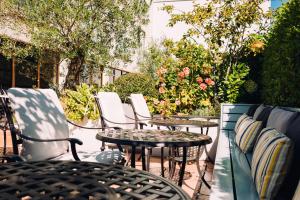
(150, 100)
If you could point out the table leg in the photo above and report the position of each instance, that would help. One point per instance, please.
(148, 154)
(182, 169)
(199, 169)
(143, 158)
(162, 162)
(170, 158)
(133, 156)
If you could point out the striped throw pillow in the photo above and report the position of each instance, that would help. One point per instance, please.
(271, 158)
(240, 120)
(247, 133)
(297, 193)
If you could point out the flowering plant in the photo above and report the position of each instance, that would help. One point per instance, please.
(185, 81)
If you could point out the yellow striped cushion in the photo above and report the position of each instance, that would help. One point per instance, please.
(239, 121)
(247, 133)
(297, 193)
(270, 162)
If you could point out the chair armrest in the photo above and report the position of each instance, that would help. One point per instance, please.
(142, 124)
(73, 142)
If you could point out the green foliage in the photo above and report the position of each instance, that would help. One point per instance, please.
(80, 104)
(250, 86)
(133, 83)
(231, 87)
(82, 30)
(185, 80)
(12, 48)
(281, 67)
(152, 59)
(224, 27)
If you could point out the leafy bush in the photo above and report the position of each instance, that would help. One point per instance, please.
(133, 83)
(185, 80)
(80, 103)
(281, 67)
(152, 59)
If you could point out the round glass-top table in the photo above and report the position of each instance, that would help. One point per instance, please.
(155, 138)
(82, 180)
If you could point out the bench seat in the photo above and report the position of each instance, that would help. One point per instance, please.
(232, 175)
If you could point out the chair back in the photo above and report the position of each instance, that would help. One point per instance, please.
(111, 108)
(40, 115)
(140, 107)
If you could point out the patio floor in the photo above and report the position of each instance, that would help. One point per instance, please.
(190, 183)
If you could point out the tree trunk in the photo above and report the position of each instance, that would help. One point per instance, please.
(73, 75)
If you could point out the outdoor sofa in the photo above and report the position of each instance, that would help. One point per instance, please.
(234, 172)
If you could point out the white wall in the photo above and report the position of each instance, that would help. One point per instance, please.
(158, 28)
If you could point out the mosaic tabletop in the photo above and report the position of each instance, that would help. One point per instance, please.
(154, 138)
(82, 180)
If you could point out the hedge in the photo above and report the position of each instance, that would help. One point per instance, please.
(281, 66)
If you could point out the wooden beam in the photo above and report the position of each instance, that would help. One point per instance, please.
(38, 74)
(13, 72)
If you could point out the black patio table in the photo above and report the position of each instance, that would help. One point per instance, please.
(155, 138)
(173, 123)
(82, 180)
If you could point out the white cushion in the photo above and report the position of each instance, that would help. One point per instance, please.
(40, 115)
(280, 119)
(112, 109)
(140, 107)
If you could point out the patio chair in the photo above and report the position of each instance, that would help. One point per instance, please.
(42, 129)
(140, 107)
(113, 115)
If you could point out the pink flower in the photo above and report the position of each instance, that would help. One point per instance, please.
(181, 75)
(203, 86)
(177, 102)
(162, 102)
(161, 90)
(186, 71)
(199, 80)
(209, 81)
(161, 71)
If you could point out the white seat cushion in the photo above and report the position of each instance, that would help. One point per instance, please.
(40, 115)
(112, 109)
(140, 107)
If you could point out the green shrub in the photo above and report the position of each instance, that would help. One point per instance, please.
(281, 67)
(80, 103)
(133, 83)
